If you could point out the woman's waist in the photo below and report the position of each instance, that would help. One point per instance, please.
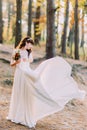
(23, 64)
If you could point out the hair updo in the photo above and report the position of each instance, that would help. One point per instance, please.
(23, 42)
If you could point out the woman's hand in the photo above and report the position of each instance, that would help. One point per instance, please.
(15, 62)
(18, 61)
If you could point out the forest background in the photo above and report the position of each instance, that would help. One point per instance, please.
(58, 27)
(61, 25)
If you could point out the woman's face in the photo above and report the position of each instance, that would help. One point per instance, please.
(28, 45)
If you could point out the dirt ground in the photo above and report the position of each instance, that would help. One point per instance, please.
(72, 117)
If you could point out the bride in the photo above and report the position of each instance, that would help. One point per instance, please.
(40, 92)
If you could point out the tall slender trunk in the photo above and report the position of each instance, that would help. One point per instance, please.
(1, 23)
(50, 42)
(29, 17)
(58, 14)
(18, 22)
(9, 12)
(82, 38)
(71, 39)
(76, 52)
(37, 33)
(13, 24)
(64, 35)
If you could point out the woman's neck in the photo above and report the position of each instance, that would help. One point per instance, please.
(23, 48)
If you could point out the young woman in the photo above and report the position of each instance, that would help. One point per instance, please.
(40, 92)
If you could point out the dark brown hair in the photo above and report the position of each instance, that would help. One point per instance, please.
(23, 42)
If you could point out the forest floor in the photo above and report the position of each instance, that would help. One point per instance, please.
(72, 117)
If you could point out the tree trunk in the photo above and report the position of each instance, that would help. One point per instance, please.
(18, 22)
(9, 17)
(64, 35)
(50, 43)
(1, 23)
(37, 33)
(13, 21)
(82, 39)
(76, 53)
(29, 17)
(58, 14)
(71, 39)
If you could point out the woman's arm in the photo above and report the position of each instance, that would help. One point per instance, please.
(13, 62)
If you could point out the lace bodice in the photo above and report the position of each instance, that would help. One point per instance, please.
(24, 54)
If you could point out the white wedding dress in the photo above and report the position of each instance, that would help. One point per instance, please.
(41, 92)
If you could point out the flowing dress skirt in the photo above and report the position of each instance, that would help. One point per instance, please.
(43, 91)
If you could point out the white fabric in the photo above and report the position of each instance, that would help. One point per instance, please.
(41, 92)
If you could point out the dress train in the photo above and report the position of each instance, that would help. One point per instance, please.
(43, 91)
